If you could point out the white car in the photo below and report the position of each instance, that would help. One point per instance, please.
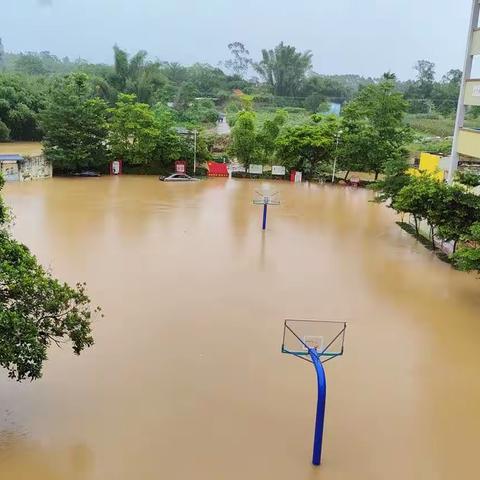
(178, 177)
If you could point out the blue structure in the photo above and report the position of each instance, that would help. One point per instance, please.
(316, 342)
(321, 400)
(266, 200)
(264, 223)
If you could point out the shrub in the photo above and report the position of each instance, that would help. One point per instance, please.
(201, 172)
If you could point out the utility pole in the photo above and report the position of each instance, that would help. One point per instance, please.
(336, 153)
(194, 152)
(470, 52)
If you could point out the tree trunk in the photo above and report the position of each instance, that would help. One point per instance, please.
(346, 175)
(376, 175)
(416, 224)
(455, 245)
(432, 237)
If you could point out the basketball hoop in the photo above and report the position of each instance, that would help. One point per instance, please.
(265, 198)
(316, 342)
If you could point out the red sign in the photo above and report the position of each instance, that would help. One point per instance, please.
(116, 167)
(217, 169)
(180, 166)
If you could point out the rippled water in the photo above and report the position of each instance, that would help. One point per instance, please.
(186, 379)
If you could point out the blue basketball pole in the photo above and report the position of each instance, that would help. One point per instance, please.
(264, 224)
(320, 416)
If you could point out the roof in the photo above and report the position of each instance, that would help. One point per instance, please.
(11, 157)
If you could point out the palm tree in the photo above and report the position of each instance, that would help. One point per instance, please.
(137, 75)
(284, 69)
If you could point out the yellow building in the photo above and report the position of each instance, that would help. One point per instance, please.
(431, 164)
(466, 142)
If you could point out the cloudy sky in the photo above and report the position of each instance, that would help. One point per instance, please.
(367, 37)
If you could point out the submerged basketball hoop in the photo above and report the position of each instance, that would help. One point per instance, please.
(316, 342)
(265, 199)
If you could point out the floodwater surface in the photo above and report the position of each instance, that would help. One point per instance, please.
(22, 148)
(186, 379)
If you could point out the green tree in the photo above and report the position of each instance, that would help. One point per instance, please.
(419, 198)
(389, 76)
(240, 61)
(324, 88)
(445, 93)
(206, 79)
(455, 213)
(134, 131)
(396, 178)
(377, 113)
(309, 147)
(316, 103)
(468, 178)
(268, 134)
(186, 151)
(185, 97)
(75, 126)
(284, 69)
(450, 211)
(36, 310)
(21, 100)
(425, 78)
(30, 64)
(199, 112)
(176, 73)
(169, 145)
(467, 257)
(354, 147)
(244, 139)
(420, 92)
(138, 76)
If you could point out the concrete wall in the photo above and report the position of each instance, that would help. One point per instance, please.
(469, 143)
(35, 168)
(472, 92)
(475, 50)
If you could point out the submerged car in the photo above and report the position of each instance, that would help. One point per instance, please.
(87, 173)
(178, 177)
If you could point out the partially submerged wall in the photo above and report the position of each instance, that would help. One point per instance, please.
(35, 168)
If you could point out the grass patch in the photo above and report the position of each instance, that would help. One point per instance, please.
(296, 117)
(437, 125)
(442, 146)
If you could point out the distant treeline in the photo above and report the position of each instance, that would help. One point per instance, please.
(282, 77)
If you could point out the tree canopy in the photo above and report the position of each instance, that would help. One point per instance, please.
(309, 147)
(36, 309)
(240, 61)
(21, 100)
(244, 140)
(374, 126)
(284, 69)
(75, 126)
(133, 131)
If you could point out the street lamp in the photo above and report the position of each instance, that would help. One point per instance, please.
(194, 152)
(337, 136)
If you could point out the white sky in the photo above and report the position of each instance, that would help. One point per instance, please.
(367, 37)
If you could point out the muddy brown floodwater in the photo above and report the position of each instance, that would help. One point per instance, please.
(186, 379)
